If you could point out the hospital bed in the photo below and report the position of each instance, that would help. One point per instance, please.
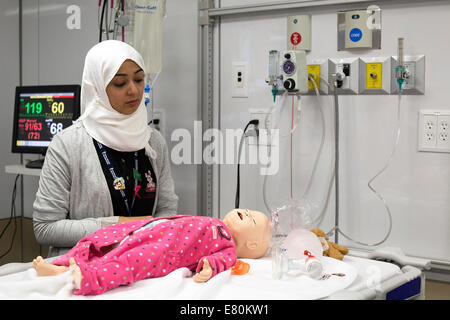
(380, 274)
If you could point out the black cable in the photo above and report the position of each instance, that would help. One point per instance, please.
(254, 122)
(13, 216)
(101, 20)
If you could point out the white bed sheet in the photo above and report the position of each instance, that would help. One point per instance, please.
(256, 285)
(371, 273)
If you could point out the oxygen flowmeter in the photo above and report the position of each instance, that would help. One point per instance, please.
(287, 72)
(295, 76)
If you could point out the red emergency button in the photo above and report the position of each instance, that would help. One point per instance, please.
(296, 38)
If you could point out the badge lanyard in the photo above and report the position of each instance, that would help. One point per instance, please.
(119, 183)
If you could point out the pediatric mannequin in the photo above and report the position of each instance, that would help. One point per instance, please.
(123, 253)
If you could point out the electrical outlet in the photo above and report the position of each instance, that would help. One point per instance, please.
(427, 131)
(443, 132)
(434, 131)
(261, 115)
(239, 79)
(158, 121)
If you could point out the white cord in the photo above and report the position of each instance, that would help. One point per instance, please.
(269, 140)
(369, 184)
(320, 217)
(297, 121)
(266, 122)
(276, 123)
(322, 118)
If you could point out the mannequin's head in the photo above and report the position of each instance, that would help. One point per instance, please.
(251, 232)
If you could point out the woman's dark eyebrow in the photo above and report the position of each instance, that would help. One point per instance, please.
(124, 74)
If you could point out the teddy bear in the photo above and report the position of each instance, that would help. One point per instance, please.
(330, 249)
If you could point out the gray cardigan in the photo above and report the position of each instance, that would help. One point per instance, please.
(73, 199)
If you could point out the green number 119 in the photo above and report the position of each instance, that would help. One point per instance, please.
(34, 108)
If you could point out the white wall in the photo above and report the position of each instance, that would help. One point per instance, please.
(9, 79)
(176, 91)
(416, 186)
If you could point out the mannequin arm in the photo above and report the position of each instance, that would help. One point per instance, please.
(205, 274)
(218, 262)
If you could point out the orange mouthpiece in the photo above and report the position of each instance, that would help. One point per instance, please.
(240, 268)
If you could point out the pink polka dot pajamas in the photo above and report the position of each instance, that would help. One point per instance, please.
(182, 241)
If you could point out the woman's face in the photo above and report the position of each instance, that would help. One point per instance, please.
(125, 91)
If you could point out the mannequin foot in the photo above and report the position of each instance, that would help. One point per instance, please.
(44, 268)
(76, 273)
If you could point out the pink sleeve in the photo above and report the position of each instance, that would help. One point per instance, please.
(219, 261)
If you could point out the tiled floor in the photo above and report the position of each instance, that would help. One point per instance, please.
(435, 290)
(31, 248)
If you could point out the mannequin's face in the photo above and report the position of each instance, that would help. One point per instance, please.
(126, 89)
(251, 232)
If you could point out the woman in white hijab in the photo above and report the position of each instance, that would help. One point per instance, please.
(109, 166)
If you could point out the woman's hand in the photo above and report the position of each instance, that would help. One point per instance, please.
(128, 219)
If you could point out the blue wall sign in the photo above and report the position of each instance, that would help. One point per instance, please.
(355, 34)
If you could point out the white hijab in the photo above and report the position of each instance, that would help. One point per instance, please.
(116, 130)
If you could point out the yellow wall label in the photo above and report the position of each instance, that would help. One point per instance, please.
(374, 72)
(314, 69)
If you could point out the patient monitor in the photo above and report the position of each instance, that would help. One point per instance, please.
(40, 112)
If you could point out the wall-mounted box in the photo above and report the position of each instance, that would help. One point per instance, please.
(359, 29)
(319, 70)
(415, 68)
(299, 32)
(293, 67)
(345, 72)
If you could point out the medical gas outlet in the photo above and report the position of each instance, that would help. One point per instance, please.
(413, 74)
(343, 74)
(318, 70)
(293, 67)
(375, 75)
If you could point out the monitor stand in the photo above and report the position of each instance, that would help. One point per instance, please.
(35, 164)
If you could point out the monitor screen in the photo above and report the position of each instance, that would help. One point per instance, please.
(40, 112)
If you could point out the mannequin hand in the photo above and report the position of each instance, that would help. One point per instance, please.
(128, 219)
(205, 274)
